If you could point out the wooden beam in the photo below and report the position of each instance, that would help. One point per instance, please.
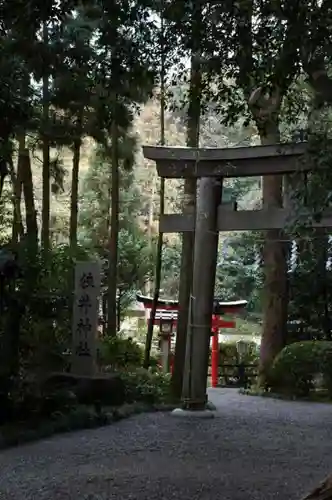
(176, 223)
(243, 220)
(227, 162)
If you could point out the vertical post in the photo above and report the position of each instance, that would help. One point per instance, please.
(205, 260)
(165, 352)
(215, 356)
(166, 328)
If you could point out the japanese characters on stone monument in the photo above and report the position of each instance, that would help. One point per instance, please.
(85, 317)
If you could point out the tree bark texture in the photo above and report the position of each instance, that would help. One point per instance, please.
(17, 182)
(45, 232)
(74, 193)
(29, 200)
(189, 204)
(275, 293)
(149, 335)
(114, 233)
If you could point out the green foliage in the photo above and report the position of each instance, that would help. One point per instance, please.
(136, 258)
(31, 402)
(239, 275)
(295, 368)
(96, 188)
(119, 353)
(129, 385)
(171, 263)
(39, 308)
(82, 417)
(311, 279)
(48, 297)
(102, 60)
(228, 354)
(100, 390)
(35, 400)
(147, 386)
(135, 264)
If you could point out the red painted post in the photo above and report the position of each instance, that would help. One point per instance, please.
(215, 356)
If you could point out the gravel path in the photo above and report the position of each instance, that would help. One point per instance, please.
(255, 448)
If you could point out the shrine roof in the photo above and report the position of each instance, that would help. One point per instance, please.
(219, 305)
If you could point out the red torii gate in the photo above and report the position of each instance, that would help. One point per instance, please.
(219, 309)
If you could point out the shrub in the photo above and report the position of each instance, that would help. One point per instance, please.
(31, 401)
(228, 353)
(146, 386)
(62, 400)
(294, 369)
(140, 385)
(108, 390)
(114, 389)
(117, 352)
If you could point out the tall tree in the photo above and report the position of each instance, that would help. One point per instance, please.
(126, 38)
(135, 259)
(159, 256)
(114, 232)
(254, 77)
(46, 145)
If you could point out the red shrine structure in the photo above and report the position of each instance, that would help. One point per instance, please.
(166, 318)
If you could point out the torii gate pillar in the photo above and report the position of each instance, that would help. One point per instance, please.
(201, 308)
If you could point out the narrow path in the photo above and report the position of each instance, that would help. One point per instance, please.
(255, 448)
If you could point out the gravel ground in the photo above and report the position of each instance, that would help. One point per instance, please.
(255, 448)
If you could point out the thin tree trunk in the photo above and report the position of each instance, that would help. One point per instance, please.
(118, 312)
(104, 309)
(320, 276)
(74, 190)
(149, 335)
(189, 205)
(159, 256)
(149, 283)
(114, 233)
(45, 233)
(3, 173)
(30, 209)
(17, 182)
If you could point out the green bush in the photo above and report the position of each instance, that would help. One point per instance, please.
(295, 368)
(139, 385)
(228, 353)
(31, 401)
(105, 390)
(117, 353)
(146, 386)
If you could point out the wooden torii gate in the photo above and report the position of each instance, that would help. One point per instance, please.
(211, 165)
